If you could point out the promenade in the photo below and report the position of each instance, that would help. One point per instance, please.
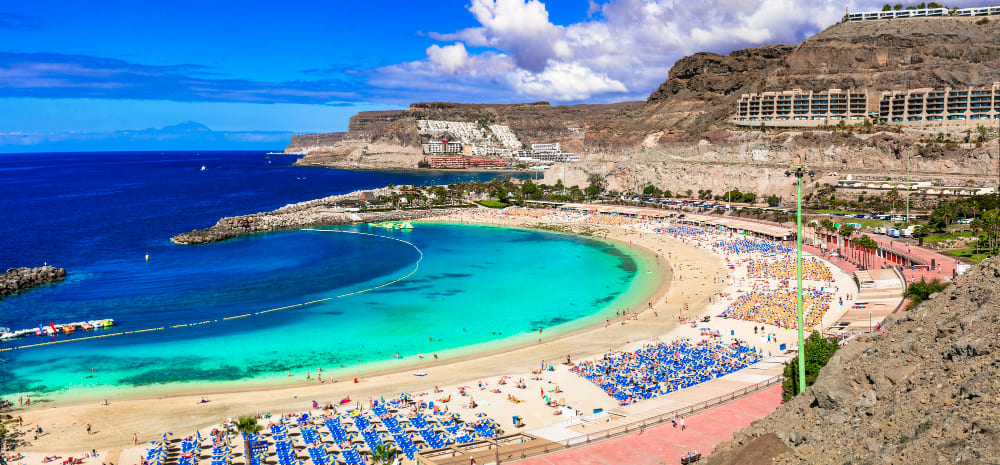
(666, 443)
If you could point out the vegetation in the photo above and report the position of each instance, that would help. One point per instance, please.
(920, 291)
(247, 425)
(969, 254)
(491, 204)
(384, 454)
(865, 242)
(596, 184)
(818, 351)
(423, 164)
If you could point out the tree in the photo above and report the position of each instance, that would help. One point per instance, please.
(733, 196)
(865, 242)
(749, 197)
(920, 232)
(773, 200)
(247, 426)
(531, 190)
(384, 454)
(688, 193)
(596, 186)
(847, 231)
(826, 224)
(892, 196)
(897, 7)
(887, 7)
(818, 351)
(667, 193)
(942, 216)
(651, 191)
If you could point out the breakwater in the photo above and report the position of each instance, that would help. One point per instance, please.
(327, 211)
(20, 279)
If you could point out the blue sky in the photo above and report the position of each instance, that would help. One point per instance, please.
(97, 74)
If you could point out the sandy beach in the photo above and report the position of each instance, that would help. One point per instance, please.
(693, 277)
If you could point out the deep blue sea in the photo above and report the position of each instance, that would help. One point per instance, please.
(99, 214)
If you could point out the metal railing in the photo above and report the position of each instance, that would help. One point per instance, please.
(526, 449)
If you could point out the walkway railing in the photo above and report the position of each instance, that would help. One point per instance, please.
(509, 452)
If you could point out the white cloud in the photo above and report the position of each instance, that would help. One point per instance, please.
(622, 51)
(450, 58)
(564, 81)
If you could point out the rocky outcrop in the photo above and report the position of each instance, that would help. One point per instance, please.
(20, 279)
(305, 143)
(319, 212)
(389, 139)
(925, 391)
(702, 89)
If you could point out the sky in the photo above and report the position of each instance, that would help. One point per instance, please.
(116, 75)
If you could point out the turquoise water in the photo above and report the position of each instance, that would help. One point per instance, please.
(474, 287)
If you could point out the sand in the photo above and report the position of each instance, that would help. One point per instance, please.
(689, 272)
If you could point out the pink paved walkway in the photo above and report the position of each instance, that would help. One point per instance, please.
(665, 444)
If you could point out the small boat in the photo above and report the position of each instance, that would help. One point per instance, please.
(86, 326)
(68, 329)
(203, 167)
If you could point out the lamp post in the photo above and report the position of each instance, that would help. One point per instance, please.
(907, 222)
(869, 322)
(799, 172)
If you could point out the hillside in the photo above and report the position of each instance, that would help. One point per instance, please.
(682, 127)
(925, 391)
(702, 89)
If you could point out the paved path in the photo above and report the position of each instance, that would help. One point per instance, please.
(666, 444)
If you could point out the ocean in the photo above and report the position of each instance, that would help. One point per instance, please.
(373, 296)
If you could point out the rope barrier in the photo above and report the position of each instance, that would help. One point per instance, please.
(416, 266)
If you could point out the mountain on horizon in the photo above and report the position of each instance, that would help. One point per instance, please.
(187, 135)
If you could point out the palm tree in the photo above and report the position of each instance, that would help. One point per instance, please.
(384, 454)
(247, 425)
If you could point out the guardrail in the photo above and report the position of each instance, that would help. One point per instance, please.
(526, 449)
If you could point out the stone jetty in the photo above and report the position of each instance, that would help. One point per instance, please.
(327, 211)
(20, 279)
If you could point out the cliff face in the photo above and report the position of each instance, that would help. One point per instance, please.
(922, 392)
(681, 128)
(702, 89)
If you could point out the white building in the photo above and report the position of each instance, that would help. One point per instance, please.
(442, 146)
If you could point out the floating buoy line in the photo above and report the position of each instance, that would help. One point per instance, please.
(416, 266)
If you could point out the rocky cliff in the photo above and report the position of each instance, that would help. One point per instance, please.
(925, 391)
(20, 279)
(673, 138)
(702, 89)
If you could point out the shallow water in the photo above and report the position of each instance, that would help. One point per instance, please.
(99, 214)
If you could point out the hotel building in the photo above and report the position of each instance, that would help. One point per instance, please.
(923, 107)
(801, 108)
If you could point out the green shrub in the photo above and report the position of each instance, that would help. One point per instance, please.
(818, 351)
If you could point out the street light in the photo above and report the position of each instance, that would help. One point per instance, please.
(869, 322)
(799, 172)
